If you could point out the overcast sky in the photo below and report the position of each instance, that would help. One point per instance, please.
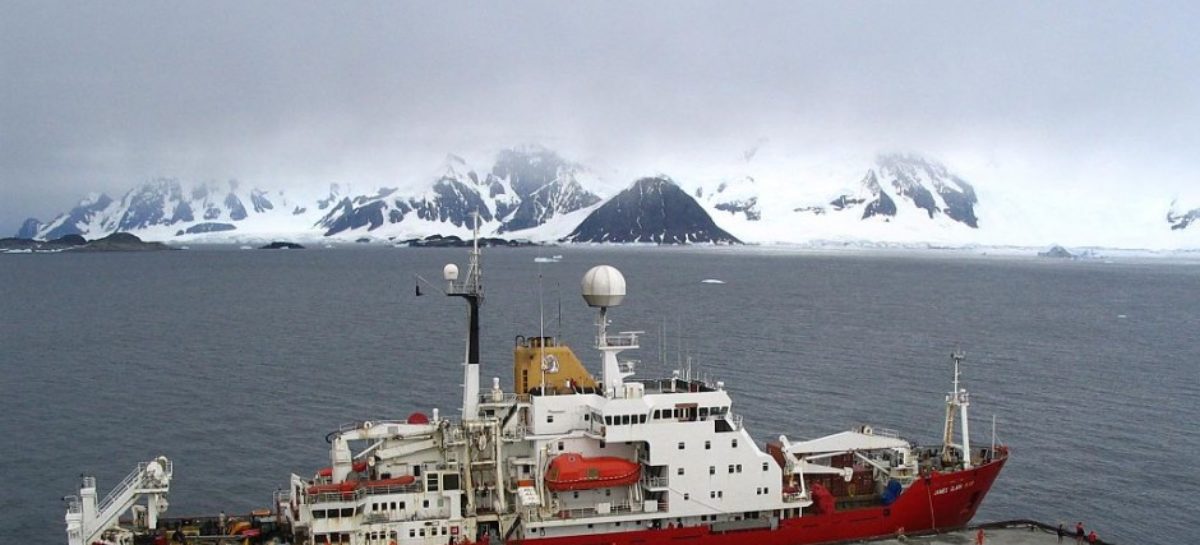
(103, 95)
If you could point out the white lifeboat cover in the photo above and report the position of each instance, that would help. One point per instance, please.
(844, 442)
(603, 286)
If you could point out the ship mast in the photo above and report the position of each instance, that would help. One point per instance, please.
(470, 289)
(957, 401)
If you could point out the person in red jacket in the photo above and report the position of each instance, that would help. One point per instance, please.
(1092, 537)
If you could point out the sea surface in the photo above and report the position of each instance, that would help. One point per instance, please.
(235, 364)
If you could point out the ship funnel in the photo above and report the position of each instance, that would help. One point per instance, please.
(603, 286)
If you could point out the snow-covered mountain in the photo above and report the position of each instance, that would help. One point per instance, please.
(167, 209)
(527, 193)
(896, 198)
(764, 196)
(651, 210)
(526, 188)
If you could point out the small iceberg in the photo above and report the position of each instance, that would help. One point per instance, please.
(712, 281)
(554, 259)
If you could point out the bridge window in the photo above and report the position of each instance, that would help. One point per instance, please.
(712, 470)
(708, 445)
(549, 419)
(641, 419)
(625, 420)
(681, 445)
(739, 468)
(734, 443)
(764, 466)
(608, 420)
(679, 471)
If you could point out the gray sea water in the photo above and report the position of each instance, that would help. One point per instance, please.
(237, 363)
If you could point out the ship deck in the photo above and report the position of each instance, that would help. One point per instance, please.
(1021, 532)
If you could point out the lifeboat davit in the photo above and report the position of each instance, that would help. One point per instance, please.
(359, 466)
(575, 472)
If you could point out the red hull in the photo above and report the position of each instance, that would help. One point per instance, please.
(943, 501)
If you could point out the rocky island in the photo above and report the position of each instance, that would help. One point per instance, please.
(116, 242)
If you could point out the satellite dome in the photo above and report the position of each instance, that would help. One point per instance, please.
(603, 286)
(450, 272)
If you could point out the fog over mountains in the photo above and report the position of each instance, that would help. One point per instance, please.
(534, 193)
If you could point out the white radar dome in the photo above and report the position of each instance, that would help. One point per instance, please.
(450, 272)
(603, 286)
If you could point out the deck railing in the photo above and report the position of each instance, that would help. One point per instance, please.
(588, 512)
(360, 493)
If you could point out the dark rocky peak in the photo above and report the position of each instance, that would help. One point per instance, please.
(918, 179)
(151, 203)
(556, 198)
(651, 210)
(233, 204)
(258, 198)
(451, 200)
(29, 228)
(82, 214)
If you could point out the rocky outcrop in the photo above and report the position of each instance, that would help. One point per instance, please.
(651, 210)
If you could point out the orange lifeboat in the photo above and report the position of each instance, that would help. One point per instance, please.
(575, 472)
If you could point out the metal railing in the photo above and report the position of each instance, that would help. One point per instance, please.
(588, 512)
(135, 478)
(626, 339)
(886, 432)
(489, 397)
(627, 366)
(362, 492)
(656, 482)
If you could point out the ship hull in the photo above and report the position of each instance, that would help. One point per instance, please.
(942, 501)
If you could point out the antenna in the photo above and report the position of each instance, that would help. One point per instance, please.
(541, 330)
(993, 435)
(470, 289)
